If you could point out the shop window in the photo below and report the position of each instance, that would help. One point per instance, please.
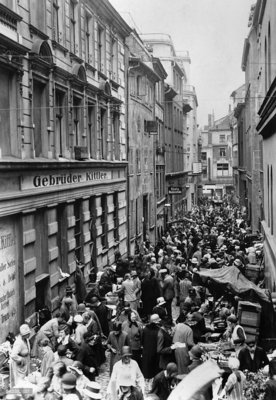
(62, 236)
(116, 216)
(78, 230)
(93, 230)
(41, 242)
(104, 221)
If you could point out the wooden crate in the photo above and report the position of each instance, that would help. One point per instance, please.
(249, 314)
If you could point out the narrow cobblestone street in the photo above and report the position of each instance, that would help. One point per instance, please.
(104, 376)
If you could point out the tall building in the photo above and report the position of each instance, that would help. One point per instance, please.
(63, 165)
(145, 128)
(180, 99)
(264, 25)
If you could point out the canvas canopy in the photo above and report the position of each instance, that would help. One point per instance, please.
(231, 279)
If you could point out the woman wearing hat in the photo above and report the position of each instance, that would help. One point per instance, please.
(126, 372)
(20, 356)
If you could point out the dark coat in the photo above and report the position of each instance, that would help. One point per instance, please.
(253, 365)
(103, 314)
(150, 291)
(150, 357)
(166, 354)
(161, 386)
(87, 356)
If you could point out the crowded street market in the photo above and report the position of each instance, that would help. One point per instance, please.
(185, 318)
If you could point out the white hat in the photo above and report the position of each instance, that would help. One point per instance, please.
(160, 301)
(113, 267)
(155, 318)
(92, 390)
(24, 330)
(78, 318)
(194, 260)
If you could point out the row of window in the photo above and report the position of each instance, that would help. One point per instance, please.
(78, 121)
(41, 244)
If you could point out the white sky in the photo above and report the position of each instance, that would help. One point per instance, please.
(213, 31)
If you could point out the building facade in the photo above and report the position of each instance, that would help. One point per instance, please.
(179, 96)
(216, 157)
(63, 165)
(264, 17)
(145, 124)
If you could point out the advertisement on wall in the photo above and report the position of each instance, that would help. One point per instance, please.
(8, 277)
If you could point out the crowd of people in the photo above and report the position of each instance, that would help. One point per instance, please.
(153, 337)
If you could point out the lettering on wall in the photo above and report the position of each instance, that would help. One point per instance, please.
(8, 278)
(43, 181)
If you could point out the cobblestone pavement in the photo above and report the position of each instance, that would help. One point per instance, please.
(104, 376)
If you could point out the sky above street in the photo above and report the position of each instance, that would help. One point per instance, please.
(213, 31)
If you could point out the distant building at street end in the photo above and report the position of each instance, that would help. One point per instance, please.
(217, 156)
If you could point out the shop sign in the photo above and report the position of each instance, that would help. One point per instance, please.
(71, 178)
(175, 189)
(8, 278)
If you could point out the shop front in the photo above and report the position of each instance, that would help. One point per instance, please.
(54, 220)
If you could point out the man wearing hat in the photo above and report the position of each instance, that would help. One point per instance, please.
(102, 314)
(82, 381)
(20, 356)
(160, 308)
(162, 382)
(125, 367)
